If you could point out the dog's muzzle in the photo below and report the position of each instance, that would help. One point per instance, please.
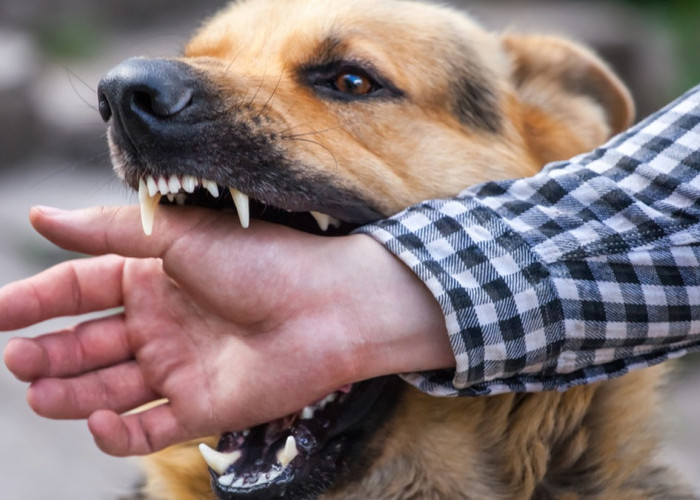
(172, 134)
(174, 139)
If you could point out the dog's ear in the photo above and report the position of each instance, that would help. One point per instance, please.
(570, 100)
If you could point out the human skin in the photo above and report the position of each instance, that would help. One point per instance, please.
(234, 327)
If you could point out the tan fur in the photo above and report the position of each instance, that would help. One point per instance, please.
(179, 473)
(556, 99)
(520, 446)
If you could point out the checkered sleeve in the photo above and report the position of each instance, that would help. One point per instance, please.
(578, 274)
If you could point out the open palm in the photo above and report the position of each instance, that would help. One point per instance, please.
(232, 327)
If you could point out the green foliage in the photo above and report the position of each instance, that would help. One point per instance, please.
(69, 38)
(682, 19)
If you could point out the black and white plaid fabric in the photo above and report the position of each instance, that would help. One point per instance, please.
(581, 273)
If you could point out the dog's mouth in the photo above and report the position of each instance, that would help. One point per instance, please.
(190, 190)
(303, 454)
(173, 140)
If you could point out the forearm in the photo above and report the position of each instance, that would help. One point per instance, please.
(572, 276)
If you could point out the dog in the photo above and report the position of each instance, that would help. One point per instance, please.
(325, 115)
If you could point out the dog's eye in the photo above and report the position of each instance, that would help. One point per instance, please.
(348, 81)
(354, 83)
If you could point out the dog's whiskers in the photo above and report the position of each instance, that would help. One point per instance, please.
(72, 76)
(257, 90)
(272, 95)
(316, 143)
(233, 60)
(298, 125)
(305, 134)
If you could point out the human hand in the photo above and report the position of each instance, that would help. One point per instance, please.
(233, 327)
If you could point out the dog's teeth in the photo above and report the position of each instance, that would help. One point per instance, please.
(180, 198)
(189, 183)
(171, 197)
(325, 221)
(174, 184)
(242, 203)
(152, 185)
(328, 399)
(148, 207)
(218, 461)
(308, 413)
(211, 187)
(322, 220)
(288, 453)
(163, 186)
(143, 191)
(227, 480)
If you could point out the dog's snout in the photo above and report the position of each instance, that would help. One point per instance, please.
(145, 92)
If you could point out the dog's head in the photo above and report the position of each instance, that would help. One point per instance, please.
(323, 115)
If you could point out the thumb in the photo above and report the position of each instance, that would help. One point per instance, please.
(103, 230)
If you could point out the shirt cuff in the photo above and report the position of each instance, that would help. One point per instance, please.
(502, 314)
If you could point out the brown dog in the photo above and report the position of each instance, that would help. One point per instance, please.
(351, 110)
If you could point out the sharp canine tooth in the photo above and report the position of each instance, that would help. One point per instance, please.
(323, 220)
(143, 191)
(211, 187)
(189, 183)
(174, 184)
(163, 186)
(152, 185)
(217, 461)
(288, 453)
(148, 207)
(242, 203)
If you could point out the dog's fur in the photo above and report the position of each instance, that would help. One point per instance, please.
(474, 106)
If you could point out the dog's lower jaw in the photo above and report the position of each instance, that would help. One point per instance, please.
(308, 453)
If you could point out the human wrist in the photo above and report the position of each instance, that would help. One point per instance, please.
(399, 326)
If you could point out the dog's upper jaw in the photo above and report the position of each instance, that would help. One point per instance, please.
(196, 151)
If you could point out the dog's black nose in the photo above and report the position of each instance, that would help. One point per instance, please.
(144, 92)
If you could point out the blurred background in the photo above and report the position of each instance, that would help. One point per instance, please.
(53, 152)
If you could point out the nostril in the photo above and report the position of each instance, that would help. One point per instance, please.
(155, 102)
(143, 102)
(104, 108)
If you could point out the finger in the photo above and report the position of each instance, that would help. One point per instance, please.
(119, 388)
(102, 230)
(71, 288)
(88, 346)
(137, 434)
